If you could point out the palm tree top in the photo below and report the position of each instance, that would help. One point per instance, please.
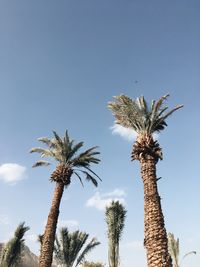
(115, 219)
(69, 248)
(173, 247)
(65, 151)
(11, 253)
(137, 115)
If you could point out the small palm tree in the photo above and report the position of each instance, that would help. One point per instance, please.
(145, 121)
(173, 246)
(115, 218)
(64, 151)
(69, 248)
(12, 251)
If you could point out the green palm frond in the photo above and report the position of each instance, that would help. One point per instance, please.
(85, 158)
(136, 114)
(75, 149)
(46, 141)
(44, 152)
(79, 177)
(41, 163)
(21, 230)
(90, 178)
(90, 246)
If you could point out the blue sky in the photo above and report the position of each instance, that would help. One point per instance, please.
(60, 64)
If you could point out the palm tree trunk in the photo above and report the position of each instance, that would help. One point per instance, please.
(47, 246)
(155, 240)
(113, 254)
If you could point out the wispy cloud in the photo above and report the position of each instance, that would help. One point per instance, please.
(11, 173)
(4, 219)
(126, 133)
(116, 193)
(100, 201)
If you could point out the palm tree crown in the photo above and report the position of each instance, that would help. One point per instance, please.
(64, 151)
(144, 120)
(69, 247)
(136, 114)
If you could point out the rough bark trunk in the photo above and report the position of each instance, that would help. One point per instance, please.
(155, 240)
(47, 246)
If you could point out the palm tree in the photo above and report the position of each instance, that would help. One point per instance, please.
(115, 217)
(145, 121)
(12, 251)
(173, 246)
(69, 248)
(64, 151)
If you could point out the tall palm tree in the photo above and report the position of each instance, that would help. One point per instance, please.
(145, 121)
(173, 246)
(115, 218)
(12, 251)
(64, 152)
(69, 248)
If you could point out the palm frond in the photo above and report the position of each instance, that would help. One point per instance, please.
(58, 139)
(37, 150)
(74, 149)
(92, 244)
(79, 177)
(158, 105)
(41, 163)
(93, 173)
(46, 141)
(44, 152)
(90, 178)
(85, 158)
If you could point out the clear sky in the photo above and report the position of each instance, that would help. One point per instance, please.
(60, 64)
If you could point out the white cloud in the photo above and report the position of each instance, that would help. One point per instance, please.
(116, 193)
(100, 201)
(12, 173)
(126, 133)
(4, 219)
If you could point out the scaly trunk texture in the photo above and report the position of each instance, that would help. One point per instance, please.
(47, 246)
(155, 240)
